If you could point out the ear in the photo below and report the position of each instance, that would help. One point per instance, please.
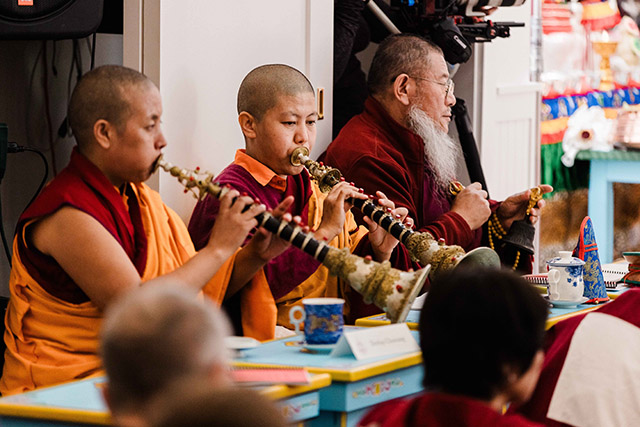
(520, 386)
(103, 132)
(538, 361)
(104, 389)
(403, 88)
(247, 125)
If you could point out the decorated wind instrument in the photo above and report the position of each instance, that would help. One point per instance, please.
(390, 289)
(422, 246)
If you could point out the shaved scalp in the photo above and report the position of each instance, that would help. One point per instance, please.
(397, 54)
(101, 94)
(261, 88)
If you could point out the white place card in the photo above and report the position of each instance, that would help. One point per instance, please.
(376, 342)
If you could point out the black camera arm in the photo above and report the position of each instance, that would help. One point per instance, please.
(485, 31)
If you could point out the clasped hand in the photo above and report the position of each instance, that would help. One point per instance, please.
(472, 205)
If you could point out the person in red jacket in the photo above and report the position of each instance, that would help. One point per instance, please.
(399, 145)
(481, 335)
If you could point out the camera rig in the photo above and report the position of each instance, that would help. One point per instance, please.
(454, 24)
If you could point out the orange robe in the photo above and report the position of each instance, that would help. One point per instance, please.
(321, 283)
(50, 339)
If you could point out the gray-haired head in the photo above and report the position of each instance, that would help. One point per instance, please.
(261, 88)
(156, 335)
(397, 54)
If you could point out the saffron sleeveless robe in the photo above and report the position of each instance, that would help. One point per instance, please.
(51, 325)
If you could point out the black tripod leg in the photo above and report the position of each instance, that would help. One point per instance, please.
(468, 143)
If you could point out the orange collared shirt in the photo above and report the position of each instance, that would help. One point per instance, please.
(261, 173)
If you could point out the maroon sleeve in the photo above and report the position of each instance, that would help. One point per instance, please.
(366, 172)
(451, 227)
(202, 220)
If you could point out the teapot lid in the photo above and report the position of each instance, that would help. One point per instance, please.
(565, 260)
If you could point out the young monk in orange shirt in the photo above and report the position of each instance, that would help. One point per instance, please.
(277, 113)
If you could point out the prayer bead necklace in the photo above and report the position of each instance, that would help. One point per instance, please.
(495, 230)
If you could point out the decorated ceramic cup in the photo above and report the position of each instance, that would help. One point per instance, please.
(322, 317)
(565, 278)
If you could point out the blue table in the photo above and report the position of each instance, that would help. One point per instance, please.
(607, 168)
(413, 318)
(356, 385)
(80, 403)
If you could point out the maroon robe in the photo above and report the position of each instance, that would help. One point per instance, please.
(83, 186)
(440, 410)
(377, 153)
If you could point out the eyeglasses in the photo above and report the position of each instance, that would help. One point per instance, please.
(449, 85)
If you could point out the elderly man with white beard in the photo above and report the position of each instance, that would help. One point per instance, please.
(399, 145)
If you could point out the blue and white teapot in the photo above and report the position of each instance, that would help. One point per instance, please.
(565, 278)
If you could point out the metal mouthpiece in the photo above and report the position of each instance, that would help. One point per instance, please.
(160, 162)
(298, 155)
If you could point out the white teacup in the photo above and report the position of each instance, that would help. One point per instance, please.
(565, 278)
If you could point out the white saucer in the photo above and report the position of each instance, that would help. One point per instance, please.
(567, 304)
(240, 343)
(319, 347)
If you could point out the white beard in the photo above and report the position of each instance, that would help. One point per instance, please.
(441, 152)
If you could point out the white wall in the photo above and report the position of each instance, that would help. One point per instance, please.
(507, 119)
(506, 110)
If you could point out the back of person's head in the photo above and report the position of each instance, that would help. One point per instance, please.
(196, 404)
(156, 335)
(261, 88)
(397, 54)
(102, 94)
(477, 327)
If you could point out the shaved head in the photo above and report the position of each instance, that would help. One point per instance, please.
(261, 88)
(397, 54)
(102, 94)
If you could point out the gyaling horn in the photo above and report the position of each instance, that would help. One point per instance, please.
(422, 246)
(388, 288)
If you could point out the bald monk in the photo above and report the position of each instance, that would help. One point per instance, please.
(277, 113)
(97, 231)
